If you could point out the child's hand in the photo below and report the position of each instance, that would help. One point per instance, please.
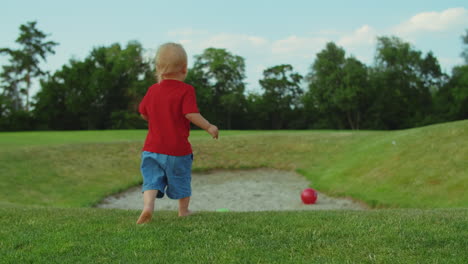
(213, 131)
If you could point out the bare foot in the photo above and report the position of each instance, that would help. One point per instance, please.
(188, 213)
(145, 217)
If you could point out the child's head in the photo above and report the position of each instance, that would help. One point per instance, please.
(171, 62)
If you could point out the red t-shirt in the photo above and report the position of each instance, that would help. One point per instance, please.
(166, 104)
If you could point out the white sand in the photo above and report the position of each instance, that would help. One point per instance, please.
(242, 190)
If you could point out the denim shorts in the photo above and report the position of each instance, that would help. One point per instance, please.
(167, 174)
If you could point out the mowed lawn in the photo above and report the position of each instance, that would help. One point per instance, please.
(416, 168)
(416, 180)
(52, 235)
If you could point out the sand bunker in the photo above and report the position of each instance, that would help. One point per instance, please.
(241, 191)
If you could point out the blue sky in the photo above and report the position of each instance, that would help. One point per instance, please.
(265, 33)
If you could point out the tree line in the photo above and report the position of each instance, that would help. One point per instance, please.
(403, 88)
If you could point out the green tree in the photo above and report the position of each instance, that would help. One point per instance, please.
(10, 90)
(353, 97)
(324, 80)
(338, 89)
(224, 73)
(102, 91)
(25, 61)
(204, 92)
(64, 101)
(256, 112)
(4, 109)
(451, 100)
(282, 93)
(402, 81)
(465, 48)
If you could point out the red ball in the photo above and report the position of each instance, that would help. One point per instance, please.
(309, 196)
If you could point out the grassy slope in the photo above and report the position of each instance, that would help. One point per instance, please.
(110, 236)
(425, 168)
(76, 169)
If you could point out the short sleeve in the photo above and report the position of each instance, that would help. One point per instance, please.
(189, 104)
(143, 104)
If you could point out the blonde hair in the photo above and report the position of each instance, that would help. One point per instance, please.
(170, 61)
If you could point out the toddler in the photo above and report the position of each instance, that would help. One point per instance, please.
(169, 106)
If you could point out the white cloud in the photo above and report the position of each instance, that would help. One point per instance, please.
(234, 41)
(364, 35)
(448, 63)
(185, 41)
(300, 50)
(329, 32)
(433, 21)
(186, 32)
(360, 43)
(304, 47)
(195, 41)
(257, 41)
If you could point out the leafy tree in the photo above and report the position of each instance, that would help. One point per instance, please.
(452, 99)
(10, 90)
(338, 89)
(465, 49)
(64, 99)
(12, 115)
(4, 103)
(224, 73)
(256, 112)
(353, 98)
(25, 61)
(103, 91)
(282, 93)
(115, 82)
(402, 80)
(324, 80)
(204, 92)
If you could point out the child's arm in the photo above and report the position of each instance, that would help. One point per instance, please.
(202, 123)
(144, 117)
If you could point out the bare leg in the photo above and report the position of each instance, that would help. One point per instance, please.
(148, 206)
(183, 206)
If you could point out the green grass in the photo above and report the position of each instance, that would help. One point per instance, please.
(110, 236)
(425, 168)
(15, 140)
(47, 178)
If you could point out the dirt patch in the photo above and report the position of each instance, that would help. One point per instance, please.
(240, 190)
